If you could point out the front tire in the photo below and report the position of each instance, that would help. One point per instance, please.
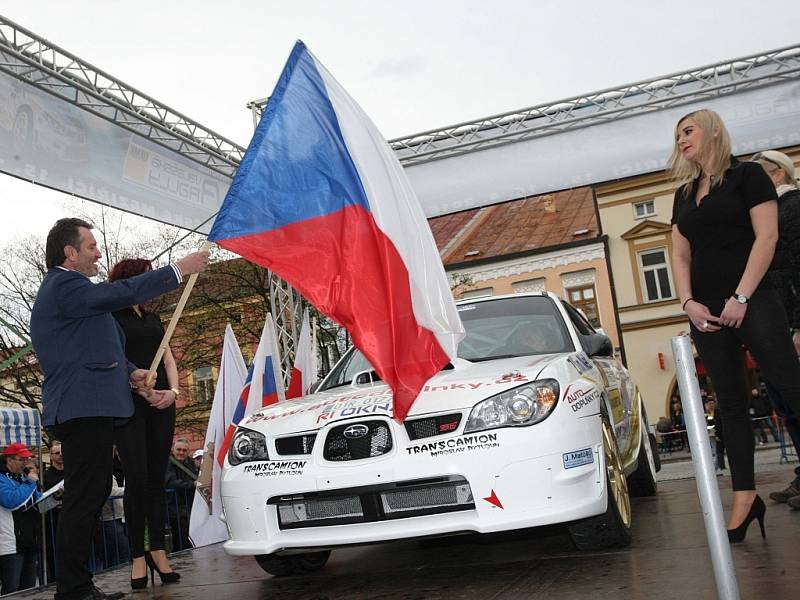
(293, 564)
(612, 529)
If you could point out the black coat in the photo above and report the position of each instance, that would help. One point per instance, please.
(784, 272)
(183, 484)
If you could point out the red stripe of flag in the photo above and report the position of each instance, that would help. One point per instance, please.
(351, 254)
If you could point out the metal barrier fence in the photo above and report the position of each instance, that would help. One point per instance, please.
(788, 449)
(676, 440)
(110, 546)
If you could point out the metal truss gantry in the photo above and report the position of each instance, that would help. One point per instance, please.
(659, 93)
(33, 59)
(651, 95)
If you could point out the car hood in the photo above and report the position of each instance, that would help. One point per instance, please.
(458, 388)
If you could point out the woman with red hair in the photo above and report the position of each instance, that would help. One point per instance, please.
(144, 441)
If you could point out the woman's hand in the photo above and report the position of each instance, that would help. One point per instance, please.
(701, 317)
(161, 399)
(733, 313)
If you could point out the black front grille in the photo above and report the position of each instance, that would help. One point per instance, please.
(430, 426)
(357, 440)
(297, 444)
(399, 500)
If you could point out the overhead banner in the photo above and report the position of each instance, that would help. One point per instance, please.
(757, 120)
(46, 140)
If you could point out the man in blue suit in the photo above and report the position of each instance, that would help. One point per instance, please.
(87, 381)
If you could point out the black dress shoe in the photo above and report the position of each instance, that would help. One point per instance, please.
(98, 594)
(783, 495)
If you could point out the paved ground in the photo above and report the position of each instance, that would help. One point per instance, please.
(668, 559)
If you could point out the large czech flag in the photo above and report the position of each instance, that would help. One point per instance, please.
(321, 200)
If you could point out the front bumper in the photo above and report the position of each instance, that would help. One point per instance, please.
(516, 478)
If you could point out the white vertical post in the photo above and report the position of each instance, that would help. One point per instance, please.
(716, 533)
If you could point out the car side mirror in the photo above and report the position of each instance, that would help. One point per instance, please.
(597, 344)
(366, 377)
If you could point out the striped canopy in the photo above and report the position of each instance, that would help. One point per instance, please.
(20, 425)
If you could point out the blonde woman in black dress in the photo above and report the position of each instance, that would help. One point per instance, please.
(725, 226)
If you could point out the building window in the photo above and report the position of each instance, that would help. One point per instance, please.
(584, 299)
(644, 209)
(204, 385)
(655, 275)
(481, 293)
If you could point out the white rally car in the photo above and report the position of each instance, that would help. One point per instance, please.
(534, 423)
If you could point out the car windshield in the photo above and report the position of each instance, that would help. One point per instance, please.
(501, 328)
(509, 327)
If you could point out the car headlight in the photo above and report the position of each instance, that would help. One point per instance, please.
(518, 407)
(247, 446)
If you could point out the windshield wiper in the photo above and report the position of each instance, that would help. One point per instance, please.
(498, 357)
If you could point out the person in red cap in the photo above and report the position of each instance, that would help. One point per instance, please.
(18, 526)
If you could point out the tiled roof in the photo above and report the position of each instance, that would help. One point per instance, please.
(447, 227)
(522, 225)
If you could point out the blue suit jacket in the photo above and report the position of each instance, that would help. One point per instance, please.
(81, 347)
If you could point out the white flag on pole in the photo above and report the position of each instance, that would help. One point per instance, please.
(304, 373)
(205, 524)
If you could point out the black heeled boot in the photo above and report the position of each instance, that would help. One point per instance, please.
(757, 510)
(171, 577)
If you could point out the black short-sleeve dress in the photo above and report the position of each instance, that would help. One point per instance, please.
(719, 230)
(143, 336)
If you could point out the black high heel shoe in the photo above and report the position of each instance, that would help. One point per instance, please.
(757, 510)
(171, 577)
(139, 583)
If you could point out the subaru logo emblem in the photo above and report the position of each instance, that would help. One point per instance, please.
(356, 431)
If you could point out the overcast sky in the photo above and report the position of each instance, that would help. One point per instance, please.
(412, 65)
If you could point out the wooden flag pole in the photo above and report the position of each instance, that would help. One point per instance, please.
(173, 322)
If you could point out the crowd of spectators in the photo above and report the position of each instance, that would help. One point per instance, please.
(21, 533)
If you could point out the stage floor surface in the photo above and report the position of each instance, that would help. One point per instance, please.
(668, 559)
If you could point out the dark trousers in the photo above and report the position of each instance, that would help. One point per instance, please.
(144, 445)
(719, 448)
(87, 444)
(790, 420)
(17, 571)
(764, 332)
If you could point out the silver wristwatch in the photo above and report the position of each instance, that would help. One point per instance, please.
(741, 298)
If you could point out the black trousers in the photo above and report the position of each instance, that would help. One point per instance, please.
(790, 420)
(764, 332)
(144, 444)
(87, 445)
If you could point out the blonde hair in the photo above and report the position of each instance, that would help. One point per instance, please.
(716, 143)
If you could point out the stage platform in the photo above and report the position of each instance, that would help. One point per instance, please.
(668, 559)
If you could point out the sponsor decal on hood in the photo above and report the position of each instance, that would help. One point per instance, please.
(457, 445)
